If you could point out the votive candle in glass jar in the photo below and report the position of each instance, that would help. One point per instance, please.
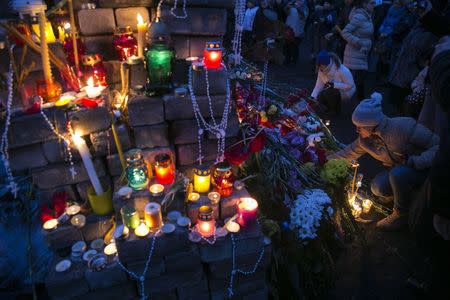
(202, 179)
(136, 171)
(212, 55)
(130, 217)
(125, 43)
(153, 216)
(164, 169)
(247, 210)
(93, 67)
(223, 179)
(206, 225)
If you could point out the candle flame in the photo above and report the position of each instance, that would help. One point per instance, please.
(214, 55)
(140, 19)
(77, 139)
(90, 82)
(67, 26)
(248, 204)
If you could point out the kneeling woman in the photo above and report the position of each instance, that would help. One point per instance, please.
(334, 82)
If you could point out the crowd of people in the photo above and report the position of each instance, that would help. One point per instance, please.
(410, 42)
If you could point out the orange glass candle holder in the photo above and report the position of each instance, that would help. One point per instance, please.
(223, 179)
(164, 169)
(49, 90)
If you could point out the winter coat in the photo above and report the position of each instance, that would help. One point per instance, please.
(395, 142)
(358, 34)
(296, 20)
(437, 20)
(342, 79)
(406, 66)
(249, 18)
(394, 16)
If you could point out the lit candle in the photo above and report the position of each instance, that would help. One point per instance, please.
(142, 29)
(164, 169)
(357, 209)
(130, 217)
(110, 249)
(73, 209)
(78, 221)
(366, 205)
(206, 225)
(193, 197)
(153, 216)
(233, 227)
(44, 47)
(80, 144)
(213, 55)
(61, 34)
(93, 91)
(156, 190)
(50, 224)
(247, 209)
(214, 197)
(202, 179)
(142, 230)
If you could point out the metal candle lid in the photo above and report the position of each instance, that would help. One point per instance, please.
(223, 166)
(202, 170)
(162, 159)
(205, 213)
(152, 208)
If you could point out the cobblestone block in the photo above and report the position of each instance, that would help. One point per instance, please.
(32, 129)
(151, 136)
(67, 284)
(128, 16)
(96, 227)
(260, 294)
(188, 154)
(220, 4)
(63, 237)
(155, 269)
(45, 196)
(197, 291)
(55, 151)
(110, 276)
(145, 111)
(103, 142)
(184, 132)
(171, 281)
(150, 154)
(59, 174)
(228, 204)
(126, 290)
(164, 295)
(102, 44)
(86, 121)
(200, 21)
(126, 3)
(243, 285)
(181, 44)
(114, 165)
(96, 21)
(138, 75)
(82, 187)
(34, 58)
(217, 82)
(183, 261)
(25, 158)
(181, 108)
(112, 71)
(233, 127)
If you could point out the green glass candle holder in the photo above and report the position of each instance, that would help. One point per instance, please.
(137, 172)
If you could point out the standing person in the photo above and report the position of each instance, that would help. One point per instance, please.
(334, 82)
(403, 145)
(358, 34)
(325, 19)
(297, 13)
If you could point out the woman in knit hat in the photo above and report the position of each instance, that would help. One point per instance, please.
(334, 82)
(401, 144)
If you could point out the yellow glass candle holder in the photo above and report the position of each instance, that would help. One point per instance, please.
(202, 179)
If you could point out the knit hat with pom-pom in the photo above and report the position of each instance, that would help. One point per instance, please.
(369, 112)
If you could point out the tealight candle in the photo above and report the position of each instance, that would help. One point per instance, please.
(93, 91)
(78, 221)
(50, 224)
(366, 205)
(233, 227)
(247, 209)
(193, 197)
(156, 189)
(214, 197)
(110, 249)
(142, 230)
(73, 209)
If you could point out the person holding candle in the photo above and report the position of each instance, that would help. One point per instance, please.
(403, 145)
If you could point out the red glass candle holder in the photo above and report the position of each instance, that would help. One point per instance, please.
(50, 90)
(93, 67)
(223, 179)
(125, 43)
(212, 55)
(247, 210)
(164, 169)
(206, 225)
(69, 49)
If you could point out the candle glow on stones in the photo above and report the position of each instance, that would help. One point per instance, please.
(50, 224)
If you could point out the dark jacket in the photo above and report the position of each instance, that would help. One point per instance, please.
(437, 20)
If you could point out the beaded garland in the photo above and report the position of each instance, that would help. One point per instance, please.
(4, 142)
(218, 129)
(172, 10)
(239, 12)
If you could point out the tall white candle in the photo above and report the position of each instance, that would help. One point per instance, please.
(87, 161)
(142, 29)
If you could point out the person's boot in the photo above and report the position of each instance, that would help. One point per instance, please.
(394, 222)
